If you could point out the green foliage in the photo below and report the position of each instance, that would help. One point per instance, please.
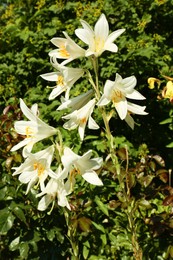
(98, 221)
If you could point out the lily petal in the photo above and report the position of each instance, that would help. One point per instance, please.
(92, 178)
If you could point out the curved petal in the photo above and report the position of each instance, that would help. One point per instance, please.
(109, 86)
(101, 28)
(44, 202)
(92, 178)
(27, 176)
(111, 47)
(103, 101)
(135, 95)
(26, 111)
(20, 144)
(56, 92)
(28, 128)
(121, 108)
(84, 35)
(59, 42)
(112, 37)
(129, 83)
(69, 157)
(130, 121)
(92, 124)
(81, 130)
(71, 124)
(52, 76)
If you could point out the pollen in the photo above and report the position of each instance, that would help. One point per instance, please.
(60, 80)
(63, 52)
(28, 131)
(39, 167)
(116, 96)
(99, 44)
(83, 120)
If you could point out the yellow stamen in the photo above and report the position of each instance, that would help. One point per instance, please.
(60, 81)
(39, 167)
(116, 96)
(28, 131)
(63, 52)
(99, 44)
(83, 120)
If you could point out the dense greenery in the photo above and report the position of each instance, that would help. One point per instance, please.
(98, 227)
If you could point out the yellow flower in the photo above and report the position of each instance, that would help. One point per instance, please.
(168, 91)
(152, 81)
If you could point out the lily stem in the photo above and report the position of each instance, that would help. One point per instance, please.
(137, 252)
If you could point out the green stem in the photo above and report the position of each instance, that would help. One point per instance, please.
(124, 186)
(71, 234)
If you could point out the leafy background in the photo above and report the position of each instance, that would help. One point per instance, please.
(98, 223)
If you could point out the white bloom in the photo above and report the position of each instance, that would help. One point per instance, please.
(36, 168)
(79, 118)
(67, 49)
(98, 39)
(64, 78)
(117, 91)
(82, 165)
(134, 109)
(55, 189)
(34, 129)
(76, 102)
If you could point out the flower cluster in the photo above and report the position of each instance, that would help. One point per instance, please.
(36, 171)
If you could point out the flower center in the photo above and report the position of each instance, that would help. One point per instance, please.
(74, 172)
(83, 120)
(116, 96)
(63, 52)
(29, 132)
(39, 167)
(60, 81)
(99, 44)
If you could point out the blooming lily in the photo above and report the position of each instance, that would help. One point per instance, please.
(76, 102)
(133, 109)
(64, 78)
(67, 49)
(98, 39)
(54, 189)
(117, 91)
(79, 118)
(36, 168)
(34, 129)
(82, 165)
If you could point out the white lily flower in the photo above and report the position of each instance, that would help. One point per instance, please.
(36, 168)
(117, 91)
(98, 39)
(67, 49)
(82, 165)
(76, 102)
(64, 78)
(79, 118)
(134, 109)
(34, 129)
(55, 189)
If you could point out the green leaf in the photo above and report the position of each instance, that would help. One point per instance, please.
(24, 249)
(6, 221)
(101, 206)
(166, 121)
(170, 145)
(14, 244)
(99, 227)
(19, 213)
(51, 234)
(104, 239)
(85, 252)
